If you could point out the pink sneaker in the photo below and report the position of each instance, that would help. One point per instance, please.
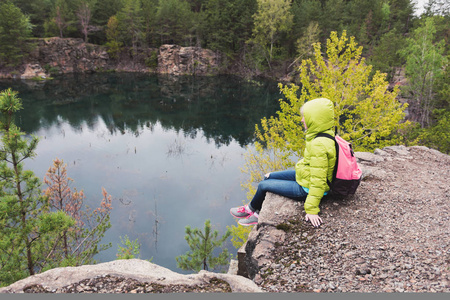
(241, 211)
(252, 219)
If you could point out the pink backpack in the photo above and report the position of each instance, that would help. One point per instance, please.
(347, 173)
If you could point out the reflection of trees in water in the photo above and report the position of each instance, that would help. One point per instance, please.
(223, 108)
(158, 219)
(176, 149)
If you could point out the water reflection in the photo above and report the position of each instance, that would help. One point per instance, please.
(168, 149)
(222, 107)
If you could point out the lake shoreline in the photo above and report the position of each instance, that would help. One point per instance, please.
(56, 56)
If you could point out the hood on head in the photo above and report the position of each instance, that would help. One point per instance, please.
(319, 116)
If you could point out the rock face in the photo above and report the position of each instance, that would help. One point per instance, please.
(391, 236)
(123, 276)
(69, 55)
(177, 60)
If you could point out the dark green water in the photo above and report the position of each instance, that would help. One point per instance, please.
(168, 149)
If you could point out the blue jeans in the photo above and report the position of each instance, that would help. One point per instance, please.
(281, 183)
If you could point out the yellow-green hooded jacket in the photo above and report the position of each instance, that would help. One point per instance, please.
(319, 157)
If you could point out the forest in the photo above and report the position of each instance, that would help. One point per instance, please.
(259, 37)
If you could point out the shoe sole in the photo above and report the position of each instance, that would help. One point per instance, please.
(248, 224)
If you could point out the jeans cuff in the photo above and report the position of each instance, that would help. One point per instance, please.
(252, 209)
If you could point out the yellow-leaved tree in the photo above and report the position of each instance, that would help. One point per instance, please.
(367, 114)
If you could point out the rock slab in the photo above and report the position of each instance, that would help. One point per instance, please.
(140, 270)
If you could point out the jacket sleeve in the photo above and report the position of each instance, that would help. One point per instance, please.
(318, 177)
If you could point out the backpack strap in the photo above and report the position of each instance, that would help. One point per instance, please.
(336, 145)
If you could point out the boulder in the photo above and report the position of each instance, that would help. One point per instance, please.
(33, 71)
(276, 212)
(136, 269)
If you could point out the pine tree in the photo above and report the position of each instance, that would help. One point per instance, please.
(112, 36)
(26, 225)
(130, 24)
(424, 65)
(175, 22)
(227, 24)
(202, 245)
(15, 28)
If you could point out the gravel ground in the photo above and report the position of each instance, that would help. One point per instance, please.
(393, 235)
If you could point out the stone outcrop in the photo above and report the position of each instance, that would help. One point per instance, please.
(33, 71)
(267, 234)
(68, 55)
(176, 60)
(143, 271)
(391, 236)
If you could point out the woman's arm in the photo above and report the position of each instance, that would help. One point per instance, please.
(318, 165)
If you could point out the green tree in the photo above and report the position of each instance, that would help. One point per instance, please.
(424, 65)
(366, 112)
(402, 12)
(105, 9)
(26, 225)
(149, 8)
(227, 24)
(272, 18)
(332, 17)
(130, 24)
(305, 42)
(386, 57)
(239, 234)
(112, 35)
(304, 12)
(363, 19)
(436, 136)
(62, 17)
(174, 20)
(129, 249)
(38, 11)
(15, 28)
(202, 244)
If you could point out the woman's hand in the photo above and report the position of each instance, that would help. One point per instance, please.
(314, 219)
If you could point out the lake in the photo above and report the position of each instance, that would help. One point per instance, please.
(168, 149)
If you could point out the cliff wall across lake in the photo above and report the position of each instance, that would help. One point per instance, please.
(56, 56)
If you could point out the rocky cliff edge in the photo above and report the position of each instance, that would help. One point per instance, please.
(393, 235)
(128, 276)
